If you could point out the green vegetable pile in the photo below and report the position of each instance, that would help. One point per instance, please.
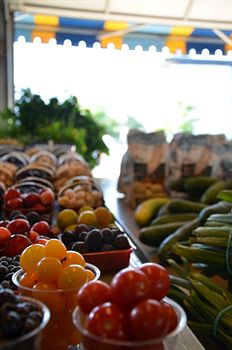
(208, 305)
(209, 246)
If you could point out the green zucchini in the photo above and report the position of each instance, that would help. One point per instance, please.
(197, 185)
(154, 235)
(210, 195)
(169, 218)
(185, 206)
(181, 234)
(217, 208)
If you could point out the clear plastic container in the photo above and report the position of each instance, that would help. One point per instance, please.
(93, 342)
(80, 191)
(25, 188)
(35, 170)
(60, 331)
(31, 340)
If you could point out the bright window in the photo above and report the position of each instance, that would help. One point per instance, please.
(126, 83)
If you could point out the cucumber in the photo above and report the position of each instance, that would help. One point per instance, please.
(217, 208)
(165, 219)
(181, 234)
(197, 185)
(210, 195)
(216, 224)
(181, 206)
(147, 210)
(154, 235)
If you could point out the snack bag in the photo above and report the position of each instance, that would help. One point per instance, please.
(190, 156)
(142, 173)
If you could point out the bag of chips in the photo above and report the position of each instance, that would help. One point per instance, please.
(142, 173)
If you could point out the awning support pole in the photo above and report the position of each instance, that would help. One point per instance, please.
(6, 57)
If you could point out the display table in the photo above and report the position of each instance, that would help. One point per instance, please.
(124, 216)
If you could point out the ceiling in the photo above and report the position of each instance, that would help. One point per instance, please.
(199, 13)
(129, 17)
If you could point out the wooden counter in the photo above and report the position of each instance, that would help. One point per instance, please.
(124, 216)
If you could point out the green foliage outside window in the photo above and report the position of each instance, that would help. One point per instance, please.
(34, 121)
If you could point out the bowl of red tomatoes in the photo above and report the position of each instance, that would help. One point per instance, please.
(131, 313)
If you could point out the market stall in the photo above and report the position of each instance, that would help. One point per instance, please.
(62, 229)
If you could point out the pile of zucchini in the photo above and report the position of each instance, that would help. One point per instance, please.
(166, 221)
(208, 305)
(209, 247)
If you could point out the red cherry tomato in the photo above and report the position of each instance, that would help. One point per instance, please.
(92, 294)
(171, 317)
(11, 193)
(148, 320)
(159, 278)
(4, 235)
(32, 235)
(108, 321)
(129, 286)
(47, 197)
(16, 244)
(31, 199)
(42, 227)
(14, 203)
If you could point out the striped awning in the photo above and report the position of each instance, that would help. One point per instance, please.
(176, 38)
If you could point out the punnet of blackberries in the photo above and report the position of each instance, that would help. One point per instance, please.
(17, 316)
(85, 239)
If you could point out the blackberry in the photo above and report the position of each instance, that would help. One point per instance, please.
(80, 247)
(94, 240)
(121, 242)
(107, 235)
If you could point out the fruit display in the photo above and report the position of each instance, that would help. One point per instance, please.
(95, 240)
(53, 275)
(22, 320)
(53, 263)
(108, 248)
(80, 191)
(93, 233)
(99, 217)
(28, 196)
(19, 233)
(131, 312)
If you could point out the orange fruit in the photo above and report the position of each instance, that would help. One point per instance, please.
(104, 216)
(88, 218)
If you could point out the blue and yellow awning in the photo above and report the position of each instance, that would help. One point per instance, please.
(91, 31)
